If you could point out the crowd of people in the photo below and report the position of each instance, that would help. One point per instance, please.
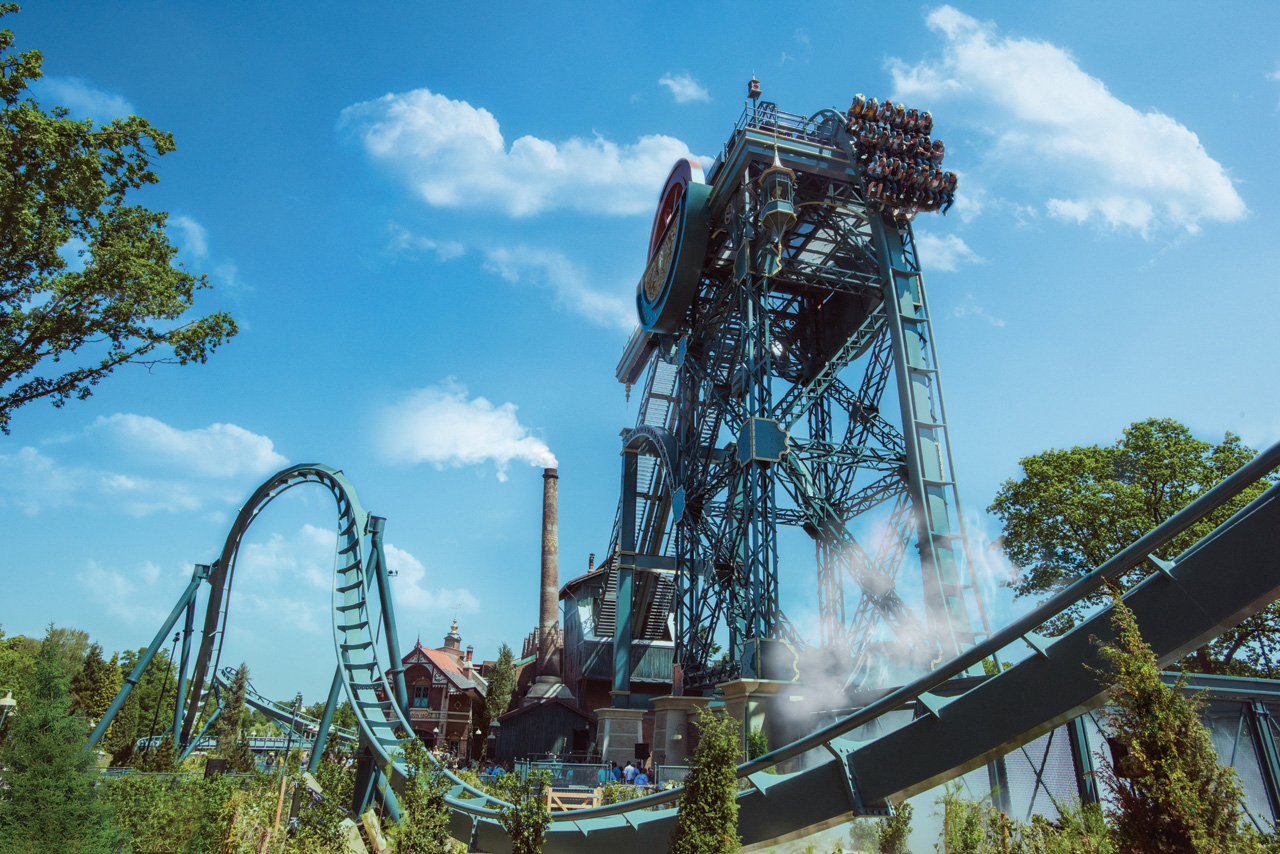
(901, 161)
(628, 774)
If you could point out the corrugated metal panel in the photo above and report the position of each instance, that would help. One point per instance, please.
(649, 662)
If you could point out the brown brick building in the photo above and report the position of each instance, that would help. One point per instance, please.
(446, 696)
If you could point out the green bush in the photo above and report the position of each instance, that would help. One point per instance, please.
(894, 830)
(424, 821)
(184, 816)
(708, 819)
(1176, 797)
(48, 804)
(527, 817)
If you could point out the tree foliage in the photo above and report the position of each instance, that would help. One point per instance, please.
(424, 822)
(1073, 509)
(157, 690)
(48, 804)
(191, 816)
(233, 737)
(892, 835)
(526, 817)
(64, 183)
(123, 732)
(708, 819)
(501, 685)
(757, 743)
(96, 685)
(1174, 797)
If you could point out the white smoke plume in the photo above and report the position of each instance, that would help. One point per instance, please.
(444, 426)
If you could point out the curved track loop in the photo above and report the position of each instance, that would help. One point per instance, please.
(359, 617)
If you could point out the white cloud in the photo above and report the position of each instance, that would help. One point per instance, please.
(684, 89)
(306, 557)
(944, 254)
(1275, 75)
(83, 99)
(411, 592)
(970, 308)
(454, 155)
(1107, 163)
(195, 239)
(443, 426)
(219, 450)
(404, 242)
(551, 269)
(121, 448)
(34, 481)
(227, 275)
(122, 596)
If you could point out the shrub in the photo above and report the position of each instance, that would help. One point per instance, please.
(1175, 796)
(188, 816)
(708, 819)
(526, 819)
(424, 819)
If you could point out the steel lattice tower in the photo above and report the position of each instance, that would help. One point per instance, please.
(778, 305)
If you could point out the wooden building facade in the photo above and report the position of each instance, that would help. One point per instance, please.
(446, 696)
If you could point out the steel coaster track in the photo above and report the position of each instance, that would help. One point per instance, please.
(282, 714)
(1222, 579)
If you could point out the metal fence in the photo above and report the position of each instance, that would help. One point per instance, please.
(566, 775)
(589, 775)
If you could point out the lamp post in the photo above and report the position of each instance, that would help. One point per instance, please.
(155, 719)
(284, 775)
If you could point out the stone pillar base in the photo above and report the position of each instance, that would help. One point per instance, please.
(617, 734)
(754, 703)
(674, 717)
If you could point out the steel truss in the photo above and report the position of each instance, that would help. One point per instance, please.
(801, 320)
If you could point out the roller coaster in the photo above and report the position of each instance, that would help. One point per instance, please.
(769, 276)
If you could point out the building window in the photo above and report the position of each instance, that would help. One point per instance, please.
(421, 698)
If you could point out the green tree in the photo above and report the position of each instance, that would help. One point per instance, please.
(1073, 509)
(502, 684)
(232, 733)
(96, 685)
(70, 646)
(526, 817)
(65, 183)
(757, 743)
(48, 804)
(708, 819)
(157, 691)
(892, 835)
(123, 732)
(1174, 797)
(424, 822)
(17, 662)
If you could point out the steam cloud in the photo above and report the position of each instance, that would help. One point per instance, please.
(443, 426)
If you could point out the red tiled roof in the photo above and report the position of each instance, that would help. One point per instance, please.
(450, 666)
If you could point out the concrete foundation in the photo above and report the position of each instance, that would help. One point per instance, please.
(673, 726)
(617, 732)
(761, 704)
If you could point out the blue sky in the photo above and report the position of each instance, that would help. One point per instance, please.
(429, 223)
